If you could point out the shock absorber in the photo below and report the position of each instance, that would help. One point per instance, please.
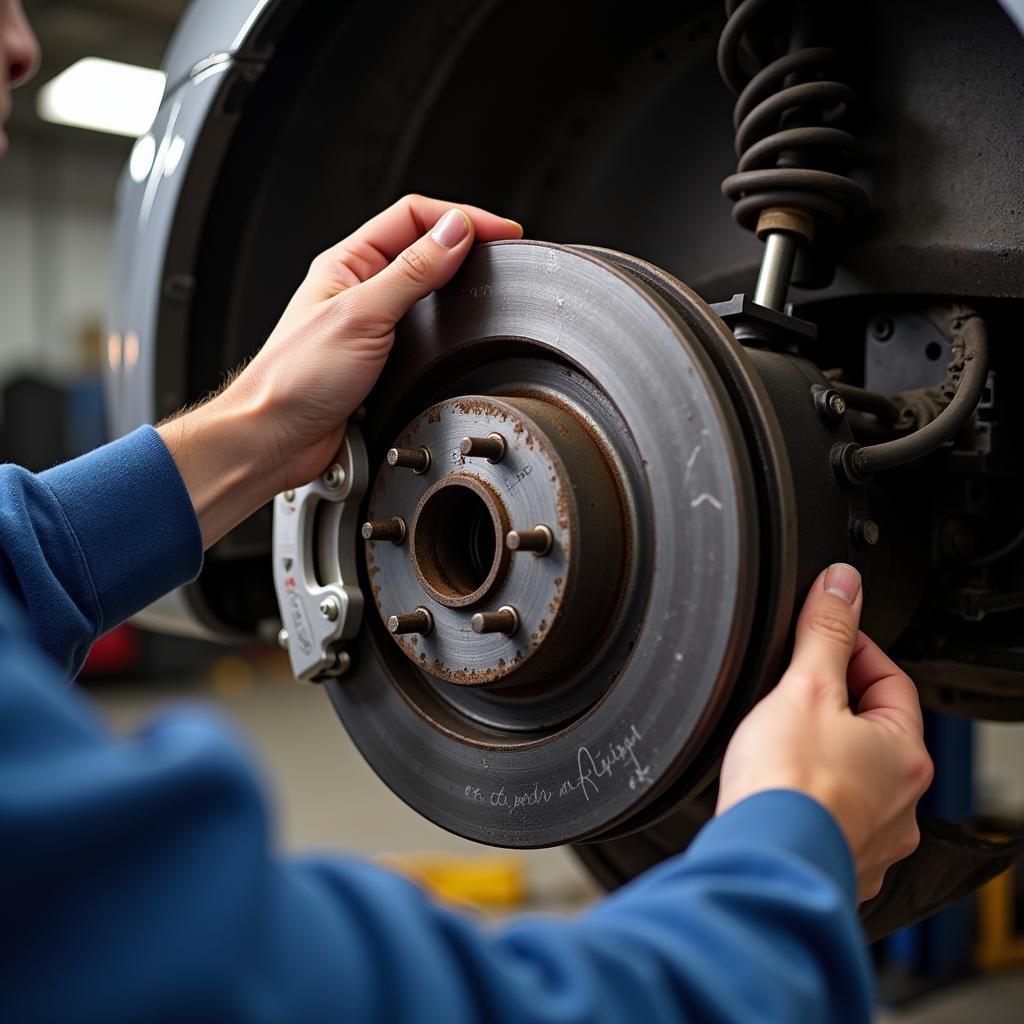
(790, 184)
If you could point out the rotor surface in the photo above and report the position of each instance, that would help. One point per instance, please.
(614, 719)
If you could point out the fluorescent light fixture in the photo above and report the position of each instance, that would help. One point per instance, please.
(104, 96)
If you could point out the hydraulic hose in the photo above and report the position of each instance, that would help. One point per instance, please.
(966, 377)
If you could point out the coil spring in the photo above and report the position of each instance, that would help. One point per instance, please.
(765, 175)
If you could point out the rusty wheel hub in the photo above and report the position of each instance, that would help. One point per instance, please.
(516, 544)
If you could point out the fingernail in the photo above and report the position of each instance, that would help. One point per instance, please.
(843, 581)
(514, 223)
(451, 229)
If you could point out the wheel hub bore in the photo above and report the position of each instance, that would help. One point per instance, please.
(516, 542)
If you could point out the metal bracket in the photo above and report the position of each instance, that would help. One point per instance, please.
(316, 529)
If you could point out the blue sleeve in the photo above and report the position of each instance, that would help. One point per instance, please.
(140, 885)
(87, 544)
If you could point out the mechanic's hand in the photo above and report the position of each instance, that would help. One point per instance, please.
(280, 423)
(843, 726)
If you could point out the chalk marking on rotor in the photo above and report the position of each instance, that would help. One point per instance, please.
(690, 461)
(709, 498)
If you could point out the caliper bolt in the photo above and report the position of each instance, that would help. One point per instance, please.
(504, 620)
(288, 495)
(491, 447)
(538, 540)
(416, 459)
(282, 639)
(392, 529)
(329, 608)
(865, 532)
(419, 621)
(334, 476)
(830, 404)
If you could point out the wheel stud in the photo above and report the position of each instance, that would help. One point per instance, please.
(419, 621)
(504, 620)
(538, 540)
(491, 447)
(416, 459)
(392, 529)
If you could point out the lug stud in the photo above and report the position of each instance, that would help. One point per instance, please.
(491, 447)
(392, 529)
(504, 620)
(419, 621)
(416, 459)
(334, 476)
(330, 609)
(538, 540)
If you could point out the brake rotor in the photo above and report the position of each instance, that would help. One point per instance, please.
(633, 626)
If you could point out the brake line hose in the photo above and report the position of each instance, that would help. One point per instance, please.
(966, 377)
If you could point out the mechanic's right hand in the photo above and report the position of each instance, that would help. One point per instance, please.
(843, 726)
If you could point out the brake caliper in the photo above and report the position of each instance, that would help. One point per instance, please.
(316, 528)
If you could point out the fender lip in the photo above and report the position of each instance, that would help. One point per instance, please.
(225, 29)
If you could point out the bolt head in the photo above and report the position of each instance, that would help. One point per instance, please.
(288, 495)
(866, 532)
(329, 608)
(830, 404)
(882, 328)
(282, 639)
(334, 476)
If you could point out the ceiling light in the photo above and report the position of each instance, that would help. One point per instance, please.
(103, 95)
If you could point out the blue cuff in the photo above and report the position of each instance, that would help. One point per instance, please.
(783, 819)
(133, 519)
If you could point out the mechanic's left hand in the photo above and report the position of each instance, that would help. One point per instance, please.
(281, 421)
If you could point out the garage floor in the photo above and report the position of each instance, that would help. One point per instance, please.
(327, 797)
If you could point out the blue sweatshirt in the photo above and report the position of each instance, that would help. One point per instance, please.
(140, 882)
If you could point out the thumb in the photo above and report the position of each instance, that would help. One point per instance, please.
(826, 630)
(425, 266)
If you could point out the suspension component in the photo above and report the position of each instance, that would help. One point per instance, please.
(961, 391)
(790, 182)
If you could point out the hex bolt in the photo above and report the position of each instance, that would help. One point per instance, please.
(882, 328)
(288, 495)
(491, 447)
(416, 459)
(282, 639)
(342, 663)
(830, 404)
(419, 621)
(334, 476)
(330, 609)
(392, 529)
(504, 620)
(865, 532)
(538, 540)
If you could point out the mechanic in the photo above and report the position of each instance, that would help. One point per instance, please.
(140, 878)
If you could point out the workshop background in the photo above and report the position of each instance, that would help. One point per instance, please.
(56, 210)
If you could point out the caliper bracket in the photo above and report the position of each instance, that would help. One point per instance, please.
(316, 529)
